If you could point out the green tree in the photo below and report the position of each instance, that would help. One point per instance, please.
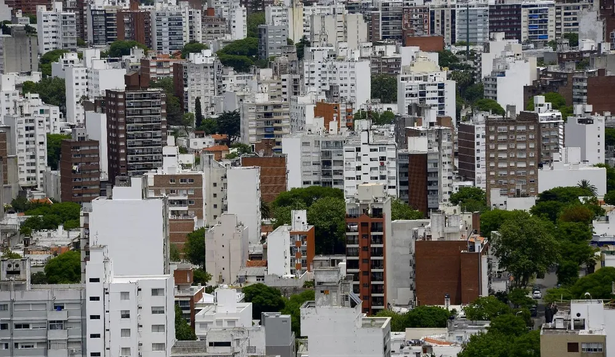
(384, 88)
(308, 195)
(121, 48)
(486, 308)
(194, 248)
(398, 321)
(586, 185)
(401, 210)
(64, 269)
(263, 299)
(508, 324)
(520, 299)
(183, 331)
(187, 121)
(558, 102)
(283, 213)
(292, 307)
(174, 111)
(609, 198)
(47, 59)
(557, 294)
(8, 254)
(255, 19)
(598, 284)
(489, 105)
(200, 276)
(209, 126)
(50, 216)
(240, 54)
(175, 256)
(328, 215)
(193, 47)
(229, 123)
(573, 38)
(609, 136)
(384, 118)
(491, 221)
(38, 278)
(300, 46)
(51, 90)
(610, 176)
(427, 316)
(524, 247)
(198, 112)
(471, 199)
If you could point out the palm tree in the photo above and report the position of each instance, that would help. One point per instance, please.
(586, 185)
(265, 210)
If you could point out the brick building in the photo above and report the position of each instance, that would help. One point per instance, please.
(135, 25)
(456, 268)
(186, 295)
(79, 168)
(342, 113)
(425, 43)
(27, 7)
(273, 177)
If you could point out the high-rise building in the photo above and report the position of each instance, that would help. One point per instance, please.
(79, 168)
(271, 40)
(102, 25)
(472, 23)
(273, 174)
(226, 249)
(19, 51)
(506, 18)
(471, 148)
(368, 222)
(290, 248)
(56, 29)
(586, 131)
(136, 127)
(27, 7)
(135, 25)
(197, 79)
(538, 21)
(168, 30)
(244, 199)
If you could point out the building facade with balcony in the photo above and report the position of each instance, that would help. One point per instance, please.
(39, 320)
(79, 168)
(266, 116)
(56, 29)
(197, 79)
(290, 248)
(368, 221)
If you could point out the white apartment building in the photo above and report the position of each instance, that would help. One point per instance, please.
(471, 147)
(302, 111)
(236, 17)
(96, 127)
(130, 222)
(350, 78)
(314, 159)
(265, 115)
(334, 323)
(335, 29)
(225, 313)
(569, 170)
(509, 75)
(192, 19)
(568, 17)
(200, 77)
(56, 29)
(472, 22)
(586, 131)
(244, 199)
(39, 320)
(318, 10)
(226, 249)
(370, 157)
(277, 15)
(215, 188)
(127, 315)
(423, 82)
(538, 21)
(494, 48)
(8, 95)
(168, 34)
(288, 247)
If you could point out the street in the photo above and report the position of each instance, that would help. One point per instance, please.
(548, 282)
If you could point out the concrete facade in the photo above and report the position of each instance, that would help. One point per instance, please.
(226, 249)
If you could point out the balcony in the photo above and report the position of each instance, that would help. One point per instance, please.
(376, 265)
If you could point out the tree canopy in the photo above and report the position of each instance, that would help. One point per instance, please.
(194, 248)
(384, 88)
(292, 307)
(558, 102)
(254, 20)
(121, 48)
(193, 47)
(51, 90)
(50, 216)
(401, 210)
(263, 299)
(183, 331)
(485, 308)
(489, 105)
(64, 269)
(229, 123)
(491, 221)
(471, 199)
(240, 54)
(419, 317)
(54, 145)
(47, 59)
(300, 46)
(598, 285)
(525, 247)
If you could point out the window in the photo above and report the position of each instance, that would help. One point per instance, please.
(94, 354)
(125, 314)
(125, 351)
(125, 332)
(4, 307)
(4, 326)
(56, 325)
(157, 328)
(94, 280)
(157, 310)
(158, 347)
(125, 295)
(573, 347)
(94, 298)
(94, 317)
(595, 347)
(220, 344)
(172, 180)
(22, 326)
(157, 292)
(94, 335)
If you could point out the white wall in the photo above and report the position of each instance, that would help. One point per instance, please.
(291, 146)
(589, 137)
(244, 199)
(96, 127)
(226, 249)
(571, 176)
(278, 251)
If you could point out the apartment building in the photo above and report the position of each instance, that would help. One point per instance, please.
(102, 25)
(424, 83)
(168, 29)
(56, 29)
(337, 308)
(388, 19)
(244, 199)
(186, 295)
(226, 249)
(336, 29)
(512, 140)
(506, 18)
(335, 115)
(290, 248)
(322, 72)
(568, 16)
(567, 169)
(368, 221)
(426, 167)
(127, 314)
(538, 21)
(235, 14)
(471, 148)
(443, 22)
(135, 25)
(415, 21)
(369, 157)
(39, 320)
(314, 159)
(198, 78)
(271, 40)
(586, 131)
(19, 51)
(79, 168)
(509, 75)
(213, 27)
(472, 24)
(215, 188)
(136, 127)
(551, 129)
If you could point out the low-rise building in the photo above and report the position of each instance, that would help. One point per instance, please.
(569, 170)
(225, 313)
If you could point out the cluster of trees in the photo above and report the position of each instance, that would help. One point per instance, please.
(384, 87)
(44, 64)
(241, 54)
(489, 105)
(121, 48)
(52, 90)
(50, 216)
(194, 252)
(193, 47)
(175, 114)
(557, 102)
(469, 91)
(507, 335)
(267, 299)
(228, 123)
(557, 232)
(471, 199)
(183, 331)
(242, 149)
(377, 118)
(421, 316)
(54, 146)
(62, 269)
(598, 285)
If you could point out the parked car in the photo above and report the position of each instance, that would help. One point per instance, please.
(534, 311)
(537, 294)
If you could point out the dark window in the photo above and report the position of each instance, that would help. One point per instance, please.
(573, 347)
(94, 317)
(94, 298)
(94, 280)
(95, 354)
(94, 335)
(219, 344)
